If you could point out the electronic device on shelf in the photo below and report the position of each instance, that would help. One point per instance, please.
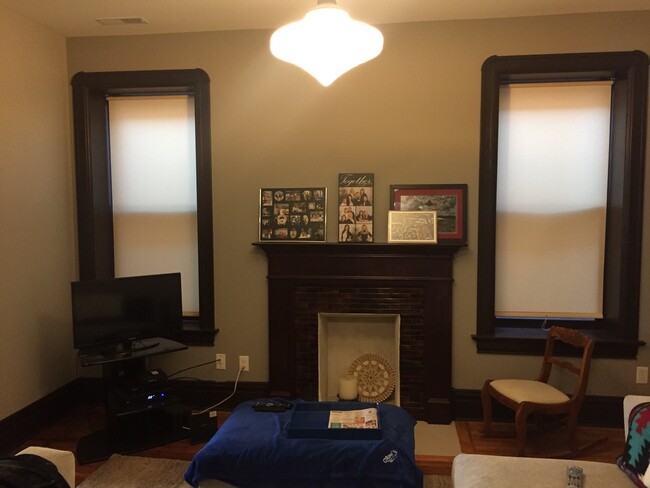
(115, 317)
(118, 323)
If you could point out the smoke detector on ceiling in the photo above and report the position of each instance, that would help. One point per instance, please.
(121, 20)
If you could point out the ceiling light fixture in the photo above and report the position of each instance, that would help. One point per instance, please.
(326, 43)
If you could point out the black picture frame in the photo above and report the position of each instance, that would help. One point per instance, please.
(293, 214)
(355, 207)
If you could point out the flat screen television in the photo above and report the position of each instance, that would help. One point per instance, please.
(121, 313)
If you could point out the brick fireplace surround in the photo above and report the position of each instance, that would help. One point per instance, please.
(414, 281)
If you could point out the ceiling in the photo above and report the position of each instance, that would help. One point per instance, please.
(76, 18)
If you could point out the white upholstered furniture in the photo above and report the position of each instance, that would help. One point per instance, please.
(485, 471)
(63, 460)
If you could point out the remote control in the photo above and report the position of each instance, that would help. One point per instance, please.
(573, 477)
(270, 407)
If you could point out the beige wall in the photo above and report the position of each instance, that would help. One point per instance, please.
(36, 355)
(410, 116)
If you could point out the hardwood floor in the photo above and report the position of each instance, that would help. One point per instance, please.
(607, 443)
(65, 433)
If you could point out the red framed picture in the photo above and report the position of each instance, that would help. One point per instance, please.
(448, 200)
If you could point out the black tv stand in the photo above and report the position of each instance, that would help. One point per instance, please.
(141, 409)
(142, 345)
(143, 348)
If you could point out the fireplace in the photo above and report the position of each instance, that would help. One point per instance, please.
(411, 281)
(344, 338)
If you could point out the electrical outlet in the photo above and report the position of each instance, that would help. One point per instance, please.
(642, 375)
(221, 361)
(243, 363)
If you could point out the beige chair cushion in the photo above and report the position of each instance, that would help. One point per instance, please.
(529, 391)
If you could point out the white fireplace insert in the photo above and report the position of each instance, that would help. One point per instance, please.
(345, 337)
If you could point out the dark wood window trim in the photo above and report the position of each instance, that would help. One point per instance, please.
(617, 332)
(92, 162)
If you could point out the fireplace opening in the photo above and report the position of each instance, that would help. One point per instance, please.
(364, 345)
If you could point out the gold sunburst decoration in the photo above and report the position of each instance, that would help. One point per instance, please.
(375, 377)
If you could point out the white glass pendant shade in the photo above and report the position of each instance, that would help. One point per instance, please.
(326, 43)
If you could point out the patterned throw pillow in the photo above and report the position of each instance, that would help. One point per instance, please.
(636, 457)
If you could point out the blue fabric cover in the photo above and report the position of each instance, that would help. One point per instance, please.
(251, 450)
(636, 457)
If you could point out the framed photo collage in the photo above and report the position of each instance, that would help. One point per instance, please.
(355, 207)
(426, 214)
(295, 214)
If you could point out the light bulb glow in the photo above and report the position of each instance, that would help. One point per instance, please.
(327, 43)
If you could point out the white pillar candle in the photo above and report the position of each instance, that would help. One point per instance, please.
(348, 388)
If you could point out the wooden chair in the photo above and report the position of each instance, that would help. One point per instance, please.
(537, 397)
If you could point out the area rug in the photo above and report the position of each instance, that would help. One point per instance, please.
(138, 472)
(144, 472)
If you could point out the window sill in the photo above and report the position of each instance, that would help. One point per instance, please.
(194, 335)
(522, 341)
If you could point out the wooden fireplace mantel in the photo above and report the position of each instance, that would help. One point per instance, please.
(283, 247)
(412, 280)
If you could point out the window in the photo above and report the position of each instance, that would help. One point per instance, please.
(613, 309)
(105, 202)
(552, 199)
(153, 188)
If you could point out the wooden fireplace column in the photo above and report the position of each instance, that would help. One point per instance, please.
(393, 278)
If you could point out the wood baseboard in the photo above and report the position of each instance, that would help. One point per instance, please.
(202, 394)
(25, 423)
(597, 411)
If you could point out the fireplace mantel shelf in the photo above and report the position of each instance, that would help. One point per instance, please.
(278, 247)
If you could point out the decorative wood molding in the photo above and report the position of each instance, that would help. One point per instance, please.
(25, 423)
(617, 333)
(412, 280)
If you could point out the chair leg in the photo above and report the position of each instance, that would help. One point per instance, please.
(573, 433)
(486, 401)
(521, 421)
